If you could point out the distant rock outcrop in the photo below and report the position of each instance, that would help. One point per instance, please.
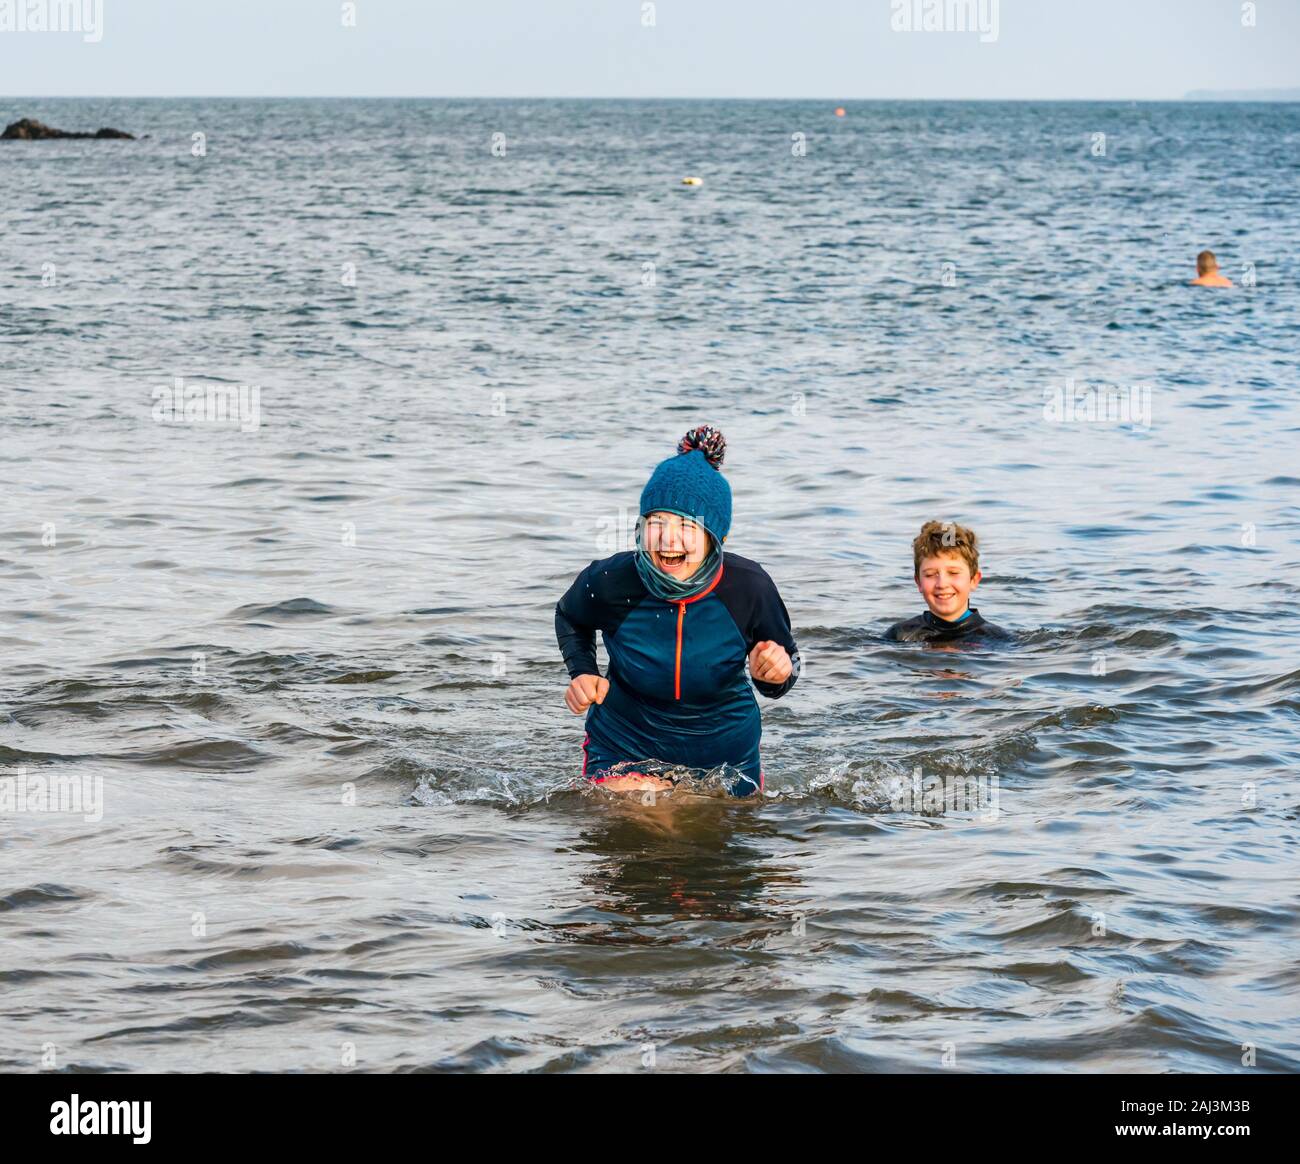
(29, 130)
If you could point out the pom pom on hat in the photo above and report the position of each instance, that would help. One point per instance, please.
(708, 440)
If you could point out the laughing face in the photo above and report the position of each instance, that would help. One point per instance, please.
(945, 582)
(676, 544)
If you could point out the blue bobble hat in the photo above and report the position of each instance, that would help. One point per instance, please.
(691, 483)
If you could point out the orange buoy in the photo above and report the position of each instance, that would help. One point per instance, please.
(839, 112)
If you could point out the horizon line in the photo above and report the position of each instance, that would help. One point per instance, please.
(1226, 96)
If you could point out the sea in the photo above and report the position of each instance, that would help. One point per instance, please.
(310, 410)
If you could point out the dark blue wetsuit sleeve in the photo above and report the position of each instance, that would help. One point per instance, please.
(772, 623)
(759, 614)
(576, 622)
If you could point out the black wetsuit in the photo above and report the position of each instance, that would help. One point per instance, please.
(926, 628)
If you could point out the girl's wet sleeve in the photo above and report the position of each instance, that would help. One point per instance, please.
(575, 627)
(772, 623)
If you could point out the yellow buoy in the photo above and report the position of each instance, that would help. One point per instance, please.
(692, 181)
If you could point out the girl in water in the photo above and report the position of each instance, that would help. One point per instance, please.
(679, 618)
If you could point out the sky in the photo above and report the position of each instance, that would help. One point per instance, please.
(825, 49)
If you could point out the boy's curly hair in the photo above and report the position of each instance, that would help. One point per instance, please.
(945, 537)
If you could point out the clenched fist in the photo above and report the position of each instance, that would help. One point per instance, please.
(584, 691)
(769, 662)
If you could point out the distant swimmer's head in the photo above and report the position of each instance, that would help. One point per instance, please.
(685, 516)
(946, 566)
(1208, 273)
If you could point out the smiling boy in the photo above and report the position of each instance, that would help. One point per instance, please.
(946, 566)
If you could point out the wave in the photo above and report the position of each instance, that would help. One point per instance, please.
(293, 609)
